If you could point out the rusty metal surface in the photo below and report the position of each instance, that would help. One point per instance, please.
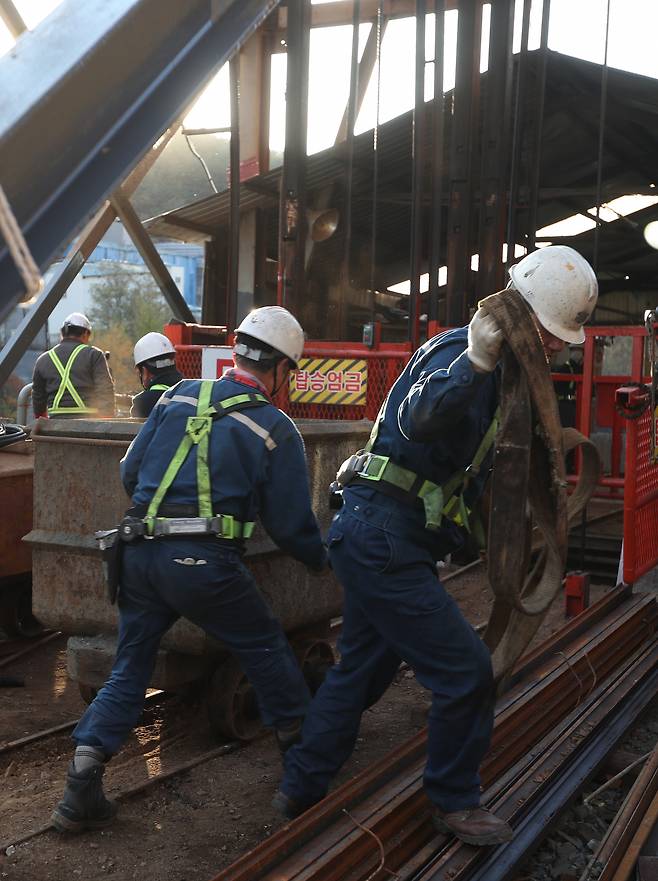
(387, 801)
(16, 505)
(78, 490)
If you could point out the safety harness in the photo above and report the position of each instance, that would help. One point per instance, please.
(197, 434)
(158, 387)
(66, 385)
(440, 501)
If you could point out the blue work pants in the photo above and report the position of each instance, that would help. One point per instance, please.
(221, 597)
(396, 608)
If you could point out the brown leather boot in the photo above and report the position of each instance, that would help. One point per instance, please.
(474, 826)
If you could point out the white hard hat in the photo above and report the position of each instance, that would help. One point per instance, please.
(77, 319)
(560, 286)
(154, 347)
(277, 328)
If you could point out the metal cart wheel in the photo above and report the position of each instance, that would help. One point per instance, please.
(87, 692)
(231, 703)
(315, 656)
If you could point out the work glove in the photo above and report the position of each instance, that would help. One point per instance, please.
(485, 340)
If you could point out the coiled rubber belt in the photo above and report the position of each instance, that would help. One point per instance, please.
(529, 472)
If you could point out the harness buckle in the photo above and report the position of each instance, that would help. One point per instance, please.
(376, 473)
(224, 526)
(198, 427)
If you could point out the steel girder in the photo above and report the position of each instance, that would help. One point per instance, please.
(88, 93)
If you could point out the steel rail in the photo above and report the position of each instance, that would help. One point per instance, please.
(550, 783)
(324, 837)
(224, 749)
(38, 643)
(610, 856)
(11, 745)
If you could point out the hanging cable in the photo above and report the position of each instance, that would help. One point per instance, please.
(196, 153)
(375, 159)
(599, 163)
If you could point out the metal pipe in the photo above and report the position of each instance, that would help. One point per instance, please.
(417, 177)
(234, 194)
(23, 404)
(599, 161)
(292, 222)
(375, 159)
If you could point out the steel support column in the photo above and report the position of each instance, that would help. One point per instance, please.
(535, 164)
(102, 116)
(142, 241)
(73, 263)
(436, 228)
(517, 136)
(12, 18)
(234, 194)
(292, 215)
(365, 68)
(462, 165)
(495, 141)
(417, 177)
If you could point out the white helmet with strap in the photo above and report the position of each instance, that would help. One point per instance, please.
(561, 288)
(77, 319)
(155, 348)
(277, 328)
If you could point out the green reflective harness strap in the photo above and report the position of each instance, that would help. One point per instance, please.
(66, 385)
(158, 387)
(199, 427)
(438, 501)
(197, 432)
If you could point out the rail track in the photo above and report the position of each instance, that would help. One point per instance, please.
(565, 708)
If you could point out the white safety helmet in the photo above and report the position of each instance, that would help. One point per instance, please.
(77, 319)
(155, 348)
(277, 328)
(560, 286)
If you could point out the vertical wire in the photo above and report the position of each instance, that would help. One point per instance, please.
(599, 164)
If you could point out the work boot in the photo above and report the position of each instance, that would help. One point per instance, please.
(289, 736)
(83, 805)
(475, 826)
(289, 807)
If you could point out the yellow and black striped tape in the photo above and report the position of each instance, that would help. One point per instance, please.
(330, 381)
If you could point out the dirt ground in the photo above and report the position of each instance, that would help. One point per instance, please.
(196, 823)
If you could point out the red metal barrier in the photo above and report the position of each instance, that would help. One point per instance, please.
(382, 366)
(640, 492)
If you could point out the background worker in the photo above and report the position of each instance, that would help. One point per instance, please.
(432, 432)
(244, 458)
(73, 379)
(155, 362)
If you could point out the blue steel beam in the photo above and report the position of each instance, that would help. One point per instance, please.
(88, 93)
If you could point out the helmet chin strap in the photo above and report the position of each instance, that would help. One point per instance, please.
(275, 387)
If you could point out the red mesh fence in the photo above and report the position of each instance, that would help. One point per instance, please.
(359, 377)
(188, 361)
(640, 501)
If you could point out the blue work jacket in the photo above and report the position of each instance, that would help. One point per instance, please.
(435, 416)
(256, 462)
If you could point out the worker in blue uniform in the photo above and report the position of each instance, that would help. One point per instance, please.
(406, 499)
(211, 457)
(155, 363)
